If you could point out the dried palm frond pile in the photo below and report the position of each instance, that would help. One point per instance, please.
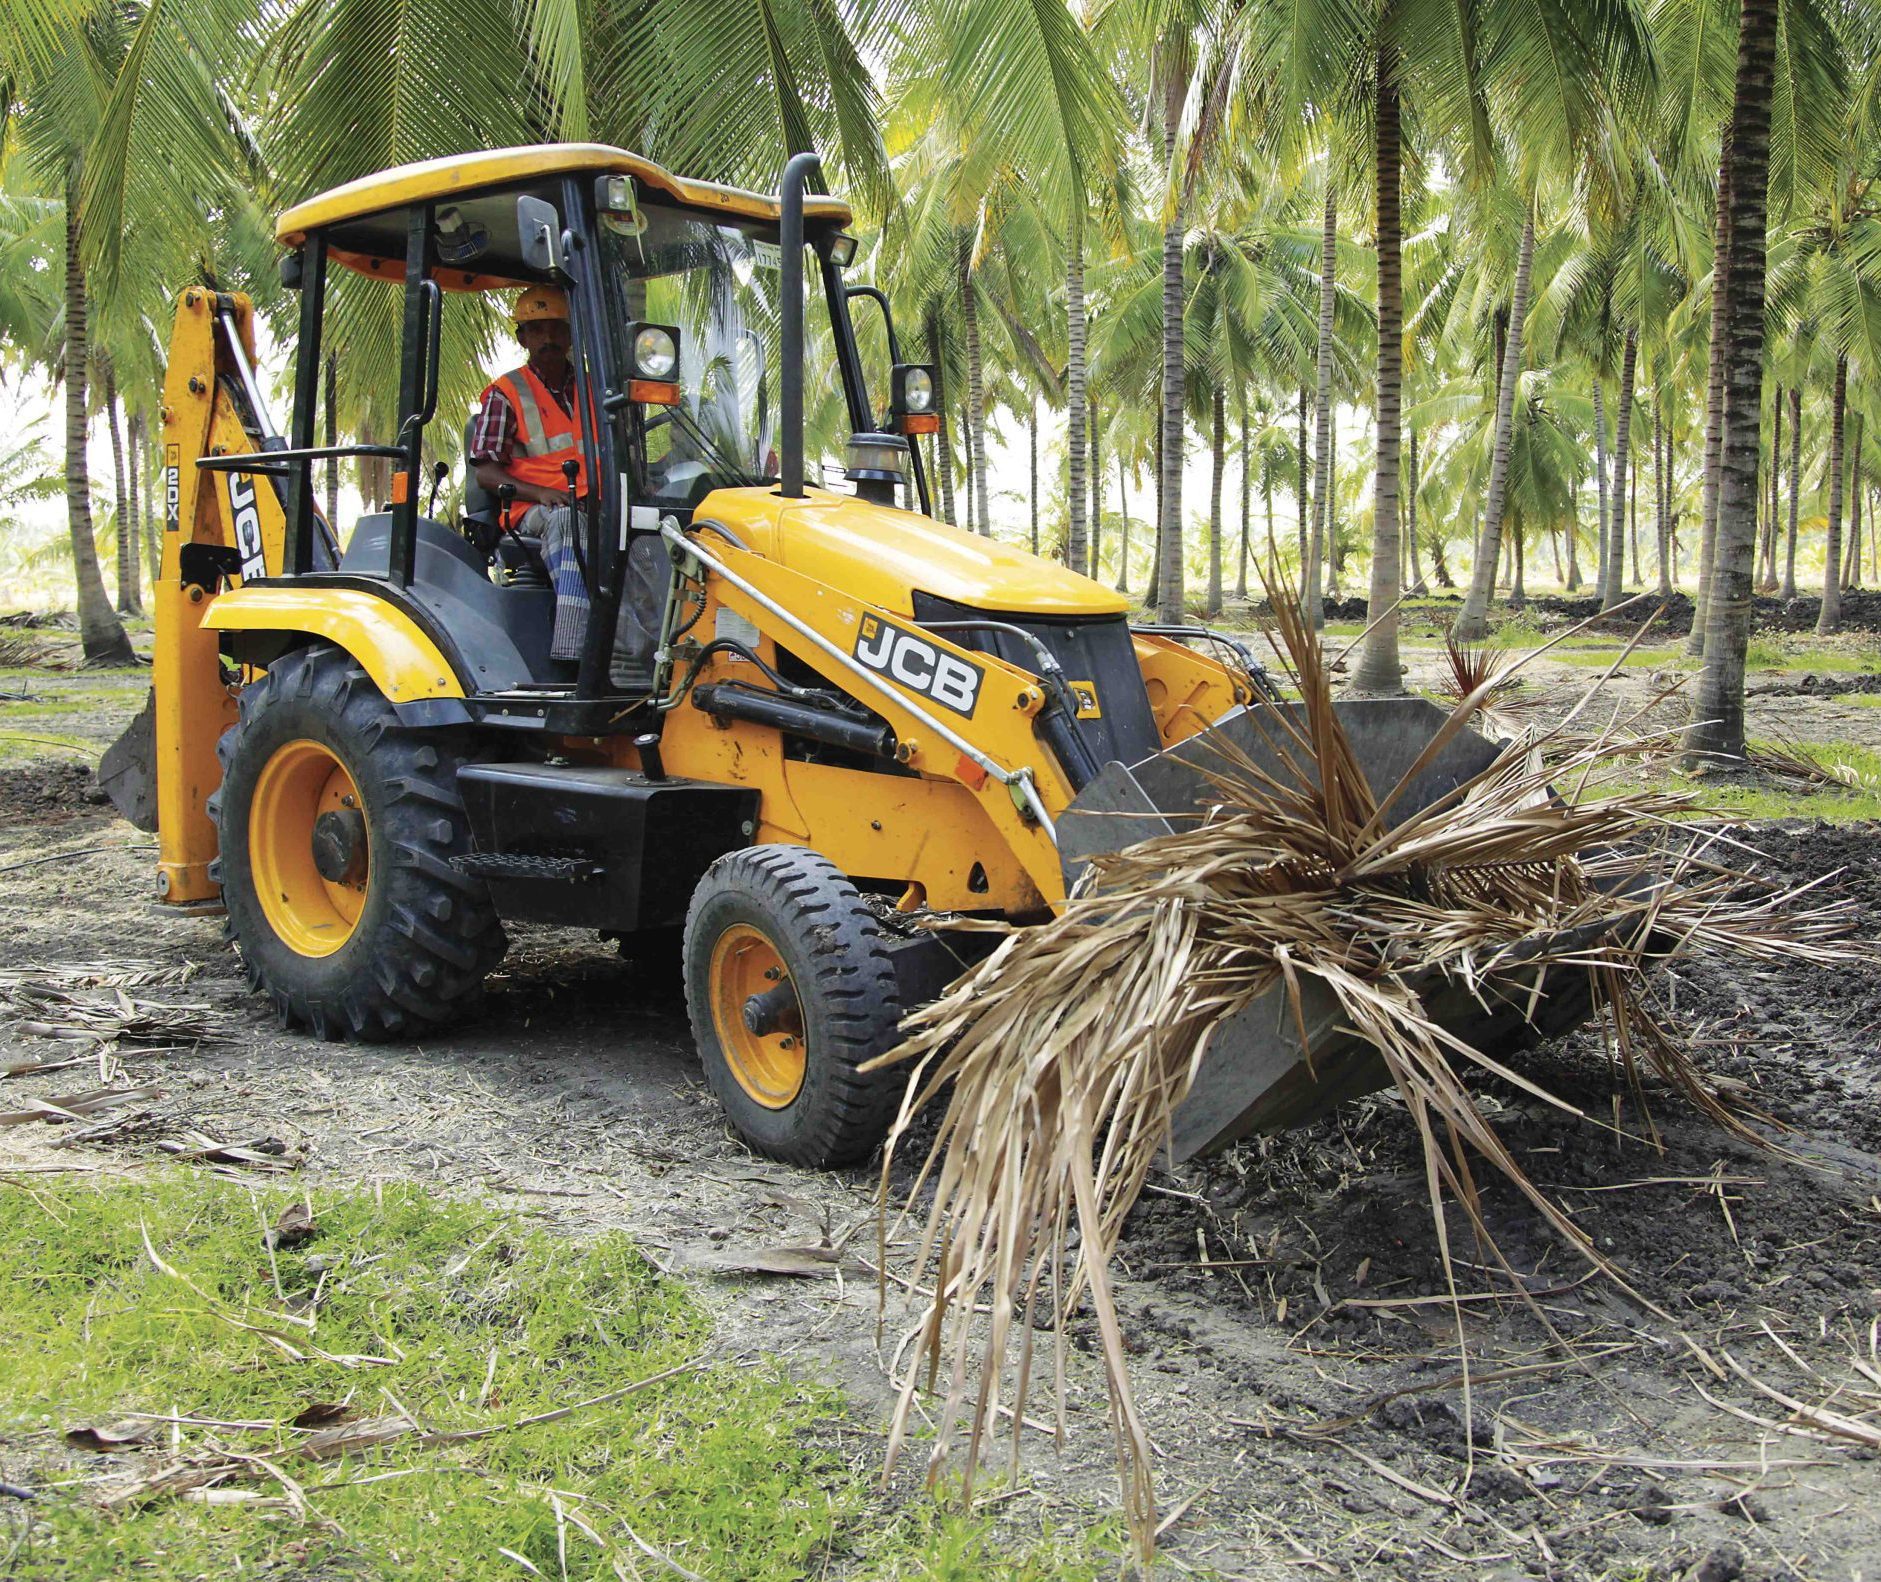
(1062, 1058)
(1782, 760)
(19, 651)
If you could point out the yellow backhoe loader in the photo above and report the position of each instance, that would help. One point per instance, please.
(807, 723)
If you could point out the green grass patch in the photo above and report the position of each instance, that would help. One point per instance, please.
(482, 1320)
(1860, 700)
(1603, 657)
(1750, 799)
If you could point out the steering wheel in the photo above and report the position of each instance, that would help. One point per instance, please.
(659, 419)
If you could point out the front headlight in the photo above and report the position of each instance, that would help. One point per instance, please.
(917, 390)
(655, 352)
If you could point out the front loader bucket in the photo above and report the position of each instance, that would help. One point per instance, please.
(1257, 1075)
(128, 770)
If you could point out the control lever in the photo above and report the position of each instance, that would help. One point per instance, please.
(505, 498)
(571, 470)
(439, 471)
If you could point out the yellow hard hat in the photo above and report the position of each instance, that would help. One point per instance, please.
(539, 302)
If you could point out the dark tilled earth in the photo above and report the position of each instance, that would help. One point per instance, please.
(1296, 1358)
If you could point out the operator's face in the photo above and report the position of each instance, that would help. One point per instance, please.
(547, 342)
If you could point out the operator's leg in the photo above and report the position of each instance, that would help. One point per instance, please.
(556, 527)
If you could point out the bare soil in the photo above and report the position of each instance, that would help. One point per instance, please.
(1296, 1358)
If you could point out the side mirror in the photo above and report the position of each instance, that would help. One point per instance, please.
(540, 227)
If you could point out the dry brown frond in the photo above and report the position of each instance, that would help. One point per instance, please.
(1063, 1058)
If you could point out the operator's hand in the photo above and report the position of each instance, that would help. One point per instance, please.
(494, 478)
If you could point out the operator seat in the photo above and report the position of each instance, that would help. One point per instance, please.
(517, 557)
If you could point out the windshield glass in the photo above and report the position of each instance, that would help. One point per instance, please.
(717, 281)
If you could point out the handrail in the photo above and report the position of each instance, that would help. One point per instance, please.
(262, 461)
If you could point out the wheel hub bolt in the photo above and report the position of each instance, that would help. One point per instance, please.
(339, 846)
(763, 1013)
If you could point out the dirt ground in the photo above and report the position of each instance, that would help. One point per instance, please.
(1297, 1364)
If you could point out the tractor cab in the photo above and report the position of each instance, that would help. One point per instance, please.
(684, 364)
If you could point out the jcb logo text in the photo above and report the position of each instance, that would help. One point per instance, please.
(918, 665)
(247, 525)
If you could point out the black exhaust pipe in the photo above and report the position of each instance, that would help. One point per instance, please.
(790, 322)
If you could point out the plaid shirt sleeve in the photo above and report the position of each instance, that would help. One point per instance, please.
(494, 437)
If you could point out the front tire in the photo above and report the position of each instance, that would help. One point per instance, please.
(337, 827)
(790, 989)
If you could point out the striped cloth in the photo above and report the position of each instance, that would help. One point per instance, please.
(556, 527)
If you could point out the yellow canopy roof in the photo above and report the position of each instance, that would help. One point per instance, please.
(460, 173)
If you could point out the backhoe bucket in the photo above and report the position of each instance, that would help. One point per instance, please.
(128, 770)
(1257, 1075)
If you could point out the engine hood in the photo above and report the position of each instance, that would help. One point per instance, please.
(886, 556)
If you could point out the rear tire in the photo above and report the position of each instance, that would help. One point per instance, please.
(367, 932)
(783, 925)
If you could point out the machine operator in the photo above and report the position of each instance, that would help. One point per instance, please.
(527, 429)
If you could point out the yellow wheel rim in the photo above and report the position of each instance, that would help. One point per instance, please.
(312, 915)
(769, 1063)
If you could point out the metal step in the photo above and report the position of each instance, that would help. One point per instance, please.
(518, 865)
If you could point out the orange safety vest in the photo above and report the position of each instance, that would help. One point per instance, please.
(546, 436)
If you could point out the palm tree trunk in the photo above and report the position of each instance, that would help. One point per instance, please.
(966, 481)
(1334, 566)
(1218, 435)
(1300, 495)
(1632, 519)
(1032, 428)
(1247, 496)
(100, 631)
(1518, 588)
(1156, 547)
(1410, 514)
(1715, 396)
(1380, 670)
(1169, 590)
(1662, 498)
(1602, 542)
(1831, 615)
(1796, 489)
(130, 600)
(1273, 549)
(1717, 726)
(1853, 570)
(943, 452)
(1622, 454)
(140, 485)
(1312, 589)
(1096, 567)
(1472, 624)
(1123, 526)
(976, 391)
(1767, 576)
(1076, 433)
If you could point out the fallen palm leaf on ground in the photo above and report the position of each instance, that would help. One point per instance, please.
(1063, 1057)
(105, 1005)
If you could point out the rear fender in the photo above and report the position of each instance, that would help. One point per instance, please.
(404, 662)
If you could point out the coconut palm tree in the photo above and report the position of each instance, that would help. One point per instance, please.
(1717, 723)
